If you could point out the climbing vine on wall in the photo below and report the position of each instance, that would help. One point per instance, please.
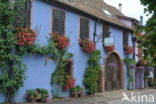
(61, 76)
(14, 43)
(91, 77)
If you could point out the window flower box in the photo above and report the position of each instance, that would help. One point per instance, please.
(109, 48)
(25, 36)
(87, 45)
(128, 49)
(60, 41)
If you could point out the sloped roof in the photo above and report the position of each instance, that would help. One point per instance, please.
(95, 8)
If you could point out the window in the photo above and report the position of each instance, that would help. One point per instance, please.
(125, 38)
(23, 19)
(28, 14)
(58, 21)
(107, 13)
(106, 31)
(84, 28)
(69, 68)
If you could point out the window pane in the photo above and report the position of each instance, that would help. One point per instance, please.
(125, 38)
(58, 21)
(84, 28)
(106, 31)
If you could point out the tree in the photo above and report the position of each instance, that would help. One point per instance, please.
(149, 40)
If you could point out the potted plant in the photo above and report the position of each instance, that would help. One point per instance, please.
(109, 48)
(128, 49)
(77, 91)
(60, 41)
(44, 95)
(31, 95)
(38, 96)
(87, 45)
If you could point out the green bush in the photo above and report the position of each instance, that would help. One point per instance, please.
(91, 77)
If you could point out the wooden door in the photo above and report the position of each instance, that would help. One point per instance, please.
(112, 74)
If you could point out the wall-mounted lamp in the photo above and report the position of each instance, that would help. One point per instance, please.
(96, 38)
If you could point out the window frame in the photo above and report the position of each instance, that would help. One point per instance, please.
(125, 35)
(71, 70)
(88, 35)
(28, 11)
(104, 32)
(56, 9)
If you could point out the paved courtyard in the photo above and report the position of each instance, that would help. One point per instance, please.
(113, 97)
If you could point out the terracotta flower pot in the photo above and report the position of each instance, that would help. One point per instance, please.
(38, 96)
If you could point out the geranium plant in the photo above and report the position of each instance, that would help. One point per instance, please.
(60, 41)
(109, 48)
(128, 49)
(70, 83)
(87, 45)
(26, 36)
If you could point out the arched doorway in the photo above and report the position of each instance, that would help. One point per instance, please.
(113, 72)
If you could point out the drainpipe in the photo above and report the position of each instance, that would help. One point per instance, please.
(95, 24)
(134, 45)
(134, 41)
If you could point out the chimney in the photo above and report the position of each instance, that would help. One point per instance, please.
(141, 20)
(120, 7)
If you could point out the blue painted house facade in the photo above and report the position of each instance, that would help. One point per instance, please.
(99, 19)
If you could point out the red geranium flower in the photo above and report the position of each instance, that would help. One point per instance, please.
(70, 83)
(87, 45)
(26, 36)
(128, 49)
(60, 40)
(109, 48)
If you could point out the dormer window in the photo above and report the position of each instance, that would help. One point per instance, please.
(71, 0)
(107, 13)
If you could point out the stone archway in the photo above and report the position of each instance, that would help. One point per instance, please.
(113, 76)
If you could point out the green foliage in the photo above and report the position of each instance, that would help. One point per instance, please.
(150, 37)
(91, 76)
(44, 93)
(76, 89)
(129, 61)
(60, 75)
(12, 69)
(31, 93)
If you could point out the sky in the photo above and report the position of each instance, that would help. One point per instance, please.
(131, 8)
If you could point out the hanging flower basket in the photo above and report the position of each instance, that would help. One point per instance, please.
(26, 36)
(87, 45)
(128, 49)
(70, 83)
(60, 41)
(109, 48)
(139, 34)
